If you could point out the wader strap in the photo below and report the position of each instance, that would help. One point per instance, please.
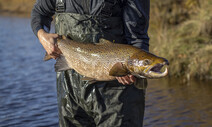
(60, 6)
(107, 8)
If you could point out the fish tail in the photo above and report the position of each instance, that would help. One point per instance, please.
(47, 57)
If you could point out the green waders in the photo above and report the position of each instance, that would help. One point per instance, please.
(102, 104)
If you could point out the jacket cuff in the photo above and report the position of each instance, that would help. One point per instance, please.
(142, 46)
(41, 27)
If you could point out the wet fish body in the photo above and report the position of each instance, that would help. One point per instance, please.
(105, 60)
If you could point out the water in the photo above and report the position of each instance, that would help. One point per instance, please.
(172, 104)
(28, 87)
(27, 84)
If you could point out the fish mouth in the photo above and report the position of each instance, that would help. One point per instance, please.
(159, 70)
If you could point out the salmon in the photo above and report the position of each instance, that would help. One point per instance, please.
(105, 60)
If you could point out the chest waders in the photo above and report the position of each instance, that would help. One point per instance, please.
(102, 104)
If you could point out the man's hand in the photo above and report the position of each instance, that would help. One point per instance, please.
(48, 41)
(126, 80)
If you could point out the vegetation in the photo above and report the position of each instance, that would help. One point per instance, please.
(180, 30)
(16, 7)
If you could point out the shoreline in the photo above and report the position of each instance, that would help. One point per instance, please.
(11, 13)
(18, 15)
(16, 8)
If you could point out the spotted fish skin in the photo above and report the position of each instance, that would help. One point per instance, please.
(97, 61)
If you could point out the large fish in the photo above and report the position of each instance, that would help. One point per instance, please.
(105, 60)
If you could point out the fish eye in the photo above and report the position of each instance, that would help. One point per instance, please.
(146, 62)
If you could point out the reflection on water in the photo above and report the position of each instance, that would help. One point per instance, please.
(173, 104)
(28, 90)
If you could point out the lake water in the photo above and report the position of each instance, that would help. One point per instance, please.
(28, 87)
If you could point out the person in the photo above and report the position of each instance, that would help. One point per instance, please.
(118, 103)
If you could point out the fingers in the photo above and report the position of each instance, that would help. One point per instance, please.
(55, 35)
(55, 52)
(132, 78)
(121, 80)
(126, 80)
(54, 55)
(57, 49)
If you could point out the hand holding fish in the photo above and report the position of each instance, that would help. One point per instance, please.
(126, 80)
(48, 41)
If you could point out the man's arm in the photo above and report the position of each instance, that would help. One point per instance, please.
(41, 16)
(136, 23)
(41, 19)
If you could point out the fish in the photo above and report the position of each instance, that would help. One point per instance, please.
(104, 61)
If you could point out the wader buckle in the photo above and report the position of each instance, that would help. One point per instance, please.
(60, 6)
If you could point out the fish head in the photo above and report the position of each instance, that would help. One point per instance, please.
(146, 65)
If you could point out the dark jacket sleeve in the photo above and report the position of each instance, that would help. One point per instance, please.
(136, 22)
(41, 15)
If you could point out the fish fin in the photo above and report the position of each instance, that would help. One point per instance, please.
(47, 57)
(61, 64)
(92, 81)
(118, 69)
(138, 76)
(104, 41)
(89, 80)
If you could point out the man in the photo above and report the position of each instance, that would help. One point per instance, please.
(117, 103)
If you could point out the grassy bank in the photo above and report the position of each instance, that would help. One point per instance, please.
(180, 31)
(16, 7)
